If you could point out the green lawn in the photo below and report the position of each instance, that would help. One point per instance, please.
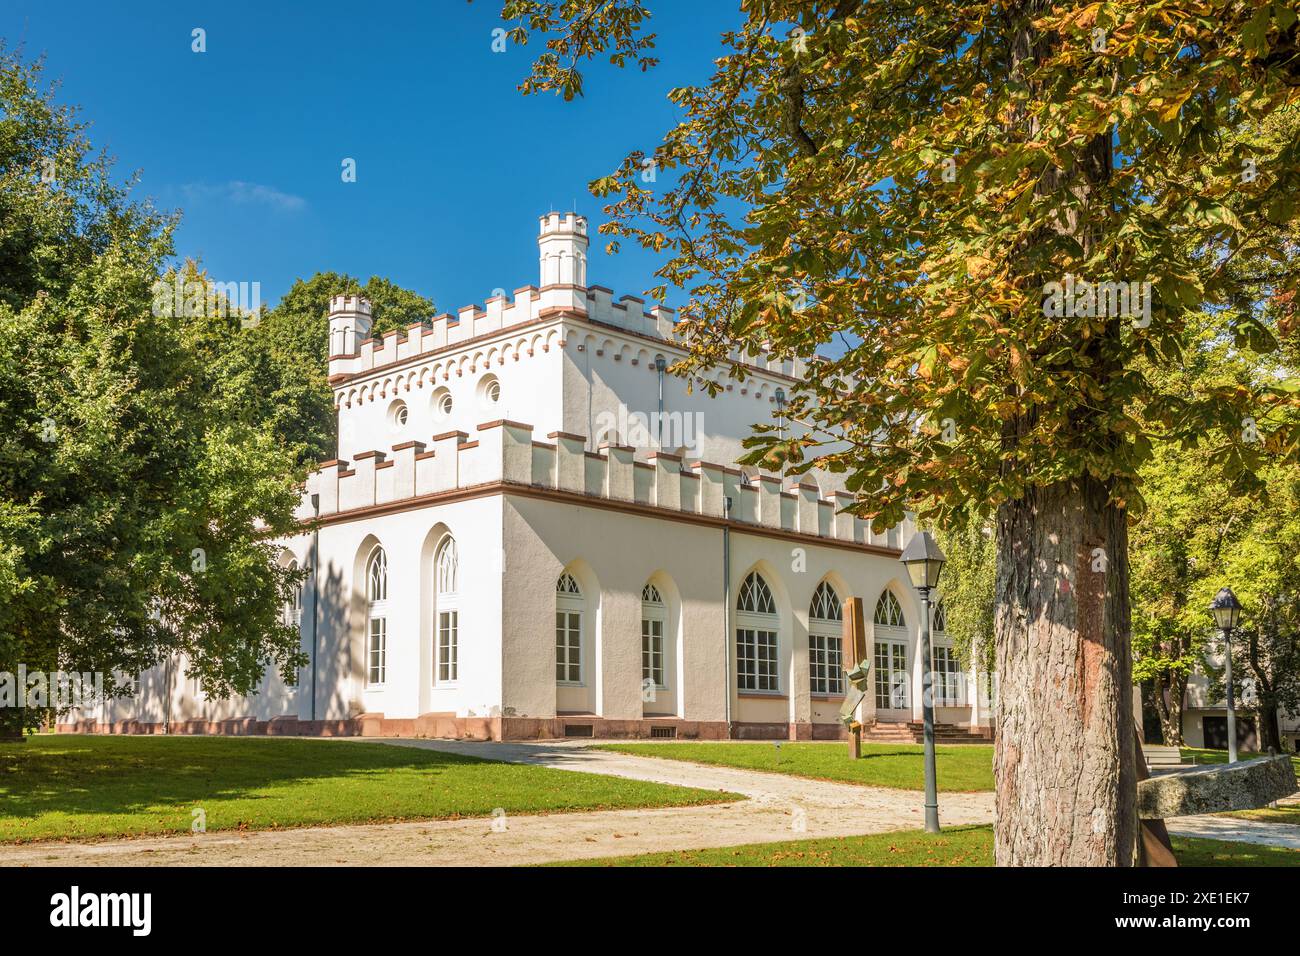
(1289, 814)
(957, 846)
(899, 766)
(65, 786)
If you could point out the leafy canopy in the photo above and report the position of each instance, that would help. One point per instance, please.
(896, 179)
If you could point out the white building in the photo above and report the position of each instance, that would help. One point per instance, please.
(512, 543)
(1205, 717)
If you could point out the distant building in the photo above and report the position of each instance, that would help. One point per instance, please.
(1205, 719)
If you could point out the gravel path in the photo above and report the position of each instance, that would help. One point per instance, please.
(1237, 828)
(779, 808)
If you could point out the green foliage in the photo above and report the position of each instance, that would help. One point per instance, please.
(968, 587)
(134, 508)
(289, 346)
(917, 177)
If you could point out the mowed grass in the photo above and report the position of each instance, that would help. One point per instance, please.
(1288, 813)
(956, 846)
(962, 767)
(75, 787)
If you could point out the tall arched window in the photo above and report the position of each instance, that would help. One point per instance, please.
(825, 640)
(653, 617)
(293, 607)
(949, 687)
(891, 654)
(446, 572)
(568, 630)
(757, 667)
(377, 618)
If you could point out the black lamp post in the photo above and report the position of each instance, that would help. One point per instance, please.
(1227, 612)
(924, 562)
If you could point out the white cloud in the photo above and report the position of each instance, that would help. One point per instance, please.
(245, 194)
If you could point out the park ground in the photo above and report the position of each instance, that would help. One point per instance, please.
(135, 801)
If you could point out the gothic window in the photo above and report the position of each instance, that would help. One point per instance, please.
(888, 611)
(757, 658)
(446, 570)
(568, 630)
(377, 618)
(825, 642)
(653, 618)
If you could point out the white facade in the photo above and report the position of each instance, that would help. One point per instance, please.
(1205, 719)
(512, 542)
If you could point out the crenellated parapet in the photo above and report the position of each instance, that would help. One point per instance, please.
(521, 317)
(505, 457)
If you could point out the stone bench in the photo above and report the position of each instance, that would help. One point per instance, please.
(1215, 788)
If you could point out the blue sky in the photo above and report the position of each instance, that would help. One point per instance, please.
(453, 165)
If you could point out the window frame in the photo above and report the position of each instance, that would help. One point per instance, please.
(830, 665)
(570, 605)
(953, 677)
(377, 598)
(758, 632)
(654, 611)
(446, 639)
(826, 628)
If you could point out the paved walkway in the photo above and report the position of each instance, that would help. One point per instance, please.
(779, 807)
(1236, 828)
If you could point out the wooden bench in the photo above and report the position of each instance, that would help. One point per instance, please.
(1158, 756)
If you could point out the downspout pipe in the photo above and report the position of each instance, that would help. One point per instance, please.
(315, 594)
(726, 609)
(660, 364)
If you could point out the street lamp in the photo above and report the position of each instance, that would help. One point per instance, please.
(924, 562)
(1227, 612)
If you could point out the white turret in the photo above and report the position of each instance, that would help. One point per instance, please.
(563, 246)
(349, 324)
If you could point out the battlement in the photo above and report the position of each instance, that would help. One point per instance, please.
(349, 303)
(567, 224)
(563, 293)
(503, 455)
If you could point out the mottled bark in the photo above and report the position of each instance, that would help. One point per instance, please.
(1065, 762)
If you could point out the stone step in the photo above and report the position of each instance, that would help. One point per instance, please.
(914, 732)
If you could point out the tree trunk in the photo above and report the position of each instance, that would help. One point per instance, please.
(1269, 738)
(1170, 687)
(1065, 761)
(1266, 711)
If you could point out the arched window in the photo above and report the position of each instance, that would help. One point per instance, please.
(293, 607)
(377, 618)
(756, 596)
(446, 571)
(888, 611)
(892, 681)
(757, 667)
(825, 640)
(949, 683)
(653, 617)
(826, 604)
(568, 630)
